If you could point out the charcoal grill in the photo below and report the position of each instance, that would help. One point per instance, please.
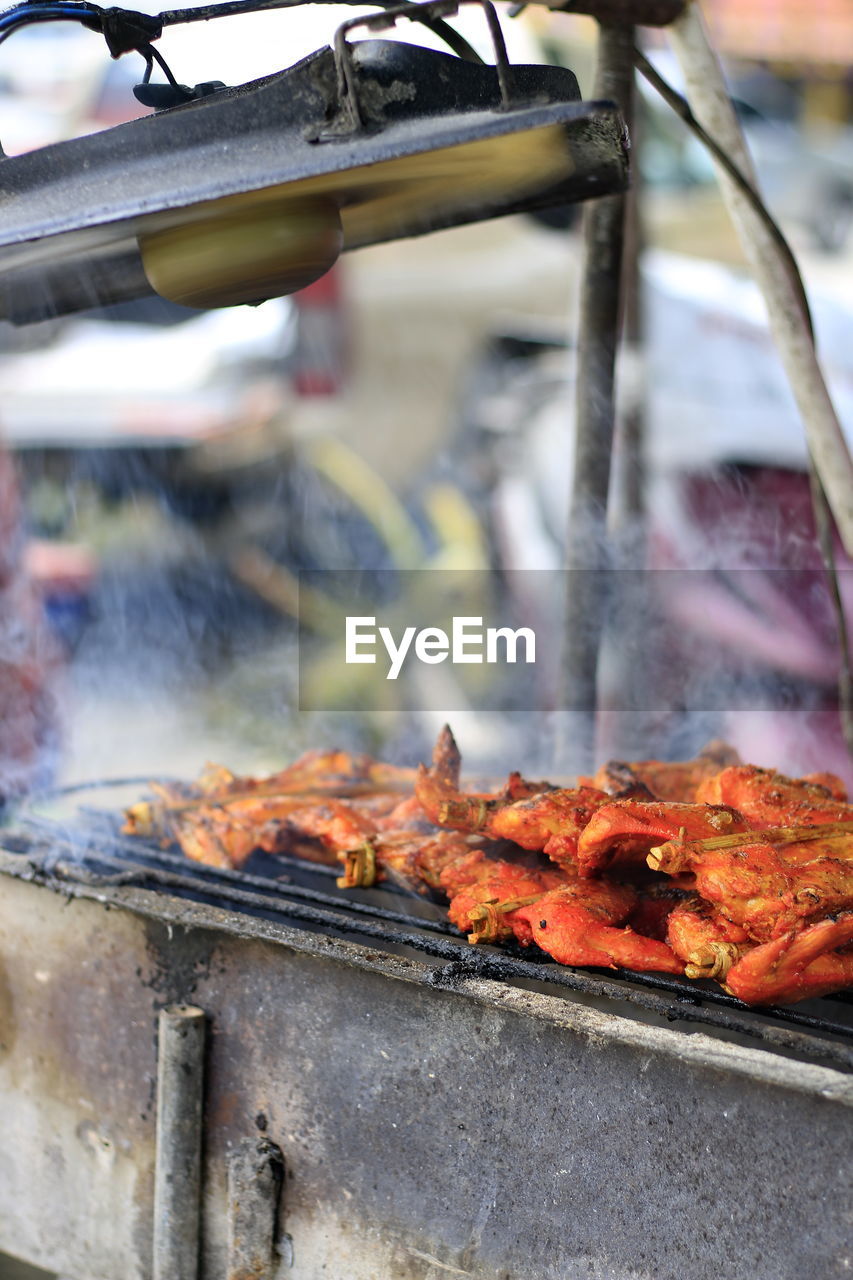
(378, 1100)
(438, 1109)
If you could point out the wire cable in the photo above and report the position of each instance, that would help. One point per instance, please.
(127, 31)
(682, 109)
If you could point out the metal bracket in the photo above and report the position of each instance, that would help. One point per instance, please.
(255, 1180)
(352, 116)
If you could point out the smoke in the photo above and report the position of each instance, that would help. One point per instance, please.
(29, 720)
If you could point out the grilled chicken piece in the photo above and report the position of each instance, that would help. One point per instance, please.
(330, 773)
(338, 773)
(621, 832)
(225, 835)
(768, 799)
(405, 815)
(797, 965)
(667, 780)
(768, 889)
(338, 824)
(486, 908)
(705, 940)
(203, 839)
(493, 899)
(578, 923)
(534, 815)
(409, 858)
(549, 821)
(745, 900)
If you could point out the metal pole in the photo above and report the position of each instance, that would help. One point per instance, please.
(177, 1176)
(587, 554)
(630, 504)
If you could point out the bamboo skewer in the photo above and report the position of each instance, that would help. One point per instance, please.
(486, 917)
(359, 867)
(672, 855)
(473, 812)
(714, 960)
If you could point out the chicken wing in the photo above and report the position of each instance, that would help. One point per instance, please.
(577, 925)
(797, 965)
(487, 907)
(767, 889)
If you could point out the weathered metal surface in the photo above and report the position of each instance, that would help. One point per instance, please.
(255, 1176)
(428, 1129)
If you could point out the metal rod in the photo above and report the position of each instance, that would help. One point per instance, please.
(177, 1176)
(631, 500)
(587, 553)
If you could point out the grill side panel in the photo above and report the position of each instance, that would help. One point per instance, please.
(426, 1131)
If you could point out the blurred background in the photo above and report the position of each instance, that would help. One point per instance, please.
(177, 471)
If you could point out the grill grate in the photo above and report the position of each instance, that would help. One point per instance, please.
(89, 849)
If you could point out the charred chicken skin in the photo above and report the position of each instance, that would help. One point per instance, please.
(655, 905)
(667, 780)
(768, 799)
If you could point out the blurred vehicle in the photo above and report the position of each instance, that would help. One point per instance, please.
(149, 396)
(805, 178)
(713, 386)
(805, 175)
(737, 618)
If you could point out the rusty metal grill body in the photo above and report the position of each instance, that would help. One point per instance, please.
(441, 1109)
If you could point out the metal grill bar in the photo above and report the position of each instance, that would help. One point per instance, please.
(140, 852)
(112, 860)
